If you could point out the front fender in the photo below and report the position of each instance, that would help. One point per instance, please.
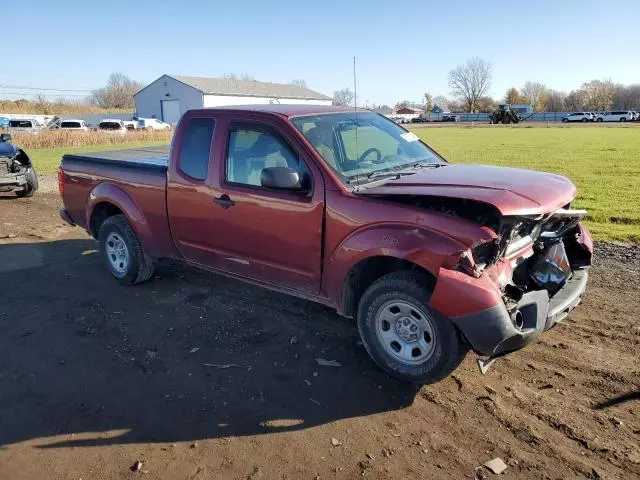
(427, 248)
(117, 196)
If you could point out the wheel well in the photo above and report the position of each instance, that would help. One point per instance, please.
(367, 271)
(100, 213)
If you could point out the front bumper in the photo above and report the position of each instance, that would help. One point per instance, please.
(492, 332)
(13, 180)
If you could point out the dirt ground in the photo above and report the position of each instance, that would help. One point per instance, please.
(201, 377)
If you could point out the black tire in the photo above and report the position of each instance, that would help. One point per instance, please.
(584, 120)
(140, 266)
(449, 348)
(31, 187)
(565, 120)
(623, 119)
(599, 120)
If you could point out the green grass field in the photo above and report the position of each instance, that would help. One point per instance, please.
(604, 163)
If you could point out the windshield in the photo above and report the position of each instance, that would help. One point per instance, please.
(359, 145)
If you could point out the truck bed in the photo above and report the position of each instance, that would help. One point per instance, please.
(134, 180)
(154, 158)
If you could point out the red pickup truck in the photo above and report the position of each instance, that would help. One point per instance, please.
(346, 208)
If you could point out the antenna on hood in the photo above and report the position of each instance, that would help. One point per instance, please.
(355, 109)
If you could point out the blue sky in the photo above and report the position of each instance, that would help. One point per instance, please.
(403, 48)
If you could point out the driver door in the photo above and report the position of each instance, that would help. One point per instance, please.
(264, 234)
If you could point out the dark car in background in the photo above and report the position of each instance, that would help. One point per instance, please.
(16, 169)
(450, 117)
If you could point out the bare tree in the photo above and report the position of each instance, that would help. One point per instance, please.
(470, 81)
(598, 94)
(118, 93)
(343, 97)
(486, 104)
(299, 83)
(441, 101)
(627, 96)
(575, 100)
(428, 102)
(42, 105)
(554, 101)
(513, 96)
(534, 93)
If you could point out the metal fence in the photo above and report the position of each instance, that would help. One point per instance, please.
(484, 117)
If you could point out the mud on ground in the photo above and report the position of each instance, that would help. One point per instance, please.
(200, 377)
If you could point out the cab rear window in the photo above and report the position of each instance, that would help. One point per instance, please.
(196, 147)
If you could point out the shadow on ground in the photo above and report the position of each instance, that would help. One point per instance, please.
(82, 357)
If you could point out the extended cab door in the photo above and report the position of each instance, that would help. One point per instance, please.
(230, 222)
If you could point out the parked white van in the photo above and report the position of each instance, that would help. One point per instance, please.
(615, 116)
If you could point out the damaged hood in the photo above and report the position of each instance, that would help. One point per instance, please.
(7, 150)
(512, 191)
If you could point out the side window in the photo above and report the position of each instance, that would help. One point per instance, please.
(196, 147)
(250, 149)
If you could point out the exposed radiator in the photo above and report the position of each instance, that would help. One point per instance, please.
(5, 166)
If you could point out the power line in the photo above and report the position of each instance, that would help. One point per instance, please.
(47, 89)
(45, 95)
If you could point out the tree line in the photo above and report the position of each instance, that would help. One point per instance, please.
(470, 83)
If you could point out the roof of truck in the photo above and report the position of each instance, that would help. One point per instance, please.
(288, 110)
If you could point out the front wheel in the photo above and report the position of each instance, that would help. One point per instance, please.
(599, 120)
(623, 119)
(31, 187)
(403, 335)
(122, 252)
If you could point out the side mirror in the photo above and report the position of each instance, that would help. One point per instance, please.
(5, 137)
(280, 178)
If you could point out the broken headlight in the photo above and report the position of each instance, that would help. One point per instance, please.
(519, 233)
(551, 270)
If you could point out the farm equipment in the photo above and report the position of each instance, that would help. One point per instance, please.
(504, 114)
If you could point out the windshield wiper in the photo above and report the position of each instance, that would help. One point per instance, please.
(399, 173)
(391, 173)
(423, 164)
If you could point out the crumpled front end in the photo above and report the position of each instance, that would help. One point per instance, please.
(12, 173)
(504, 295)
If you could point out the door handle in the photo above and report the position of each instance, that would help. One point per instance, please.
(224, 201)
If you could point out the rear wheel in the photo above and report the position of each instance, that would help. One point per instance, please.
(565, 120)
(122, 252)
(403, 335)
(623, 119)
(599, 120)
(584, 119)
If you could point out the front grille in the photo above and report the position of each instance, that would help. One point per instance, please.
(5, 166)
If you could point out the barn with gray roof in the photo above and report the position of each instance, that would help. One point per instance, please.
(168, 97)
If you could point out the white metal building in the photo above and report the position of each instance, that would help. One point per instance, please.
(168, 97)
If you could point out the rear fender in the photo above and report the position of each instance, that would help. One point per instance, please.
(428, 249)
(115, 195)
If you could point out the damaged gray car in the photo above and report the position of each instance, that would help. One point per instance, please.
(16, 169)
